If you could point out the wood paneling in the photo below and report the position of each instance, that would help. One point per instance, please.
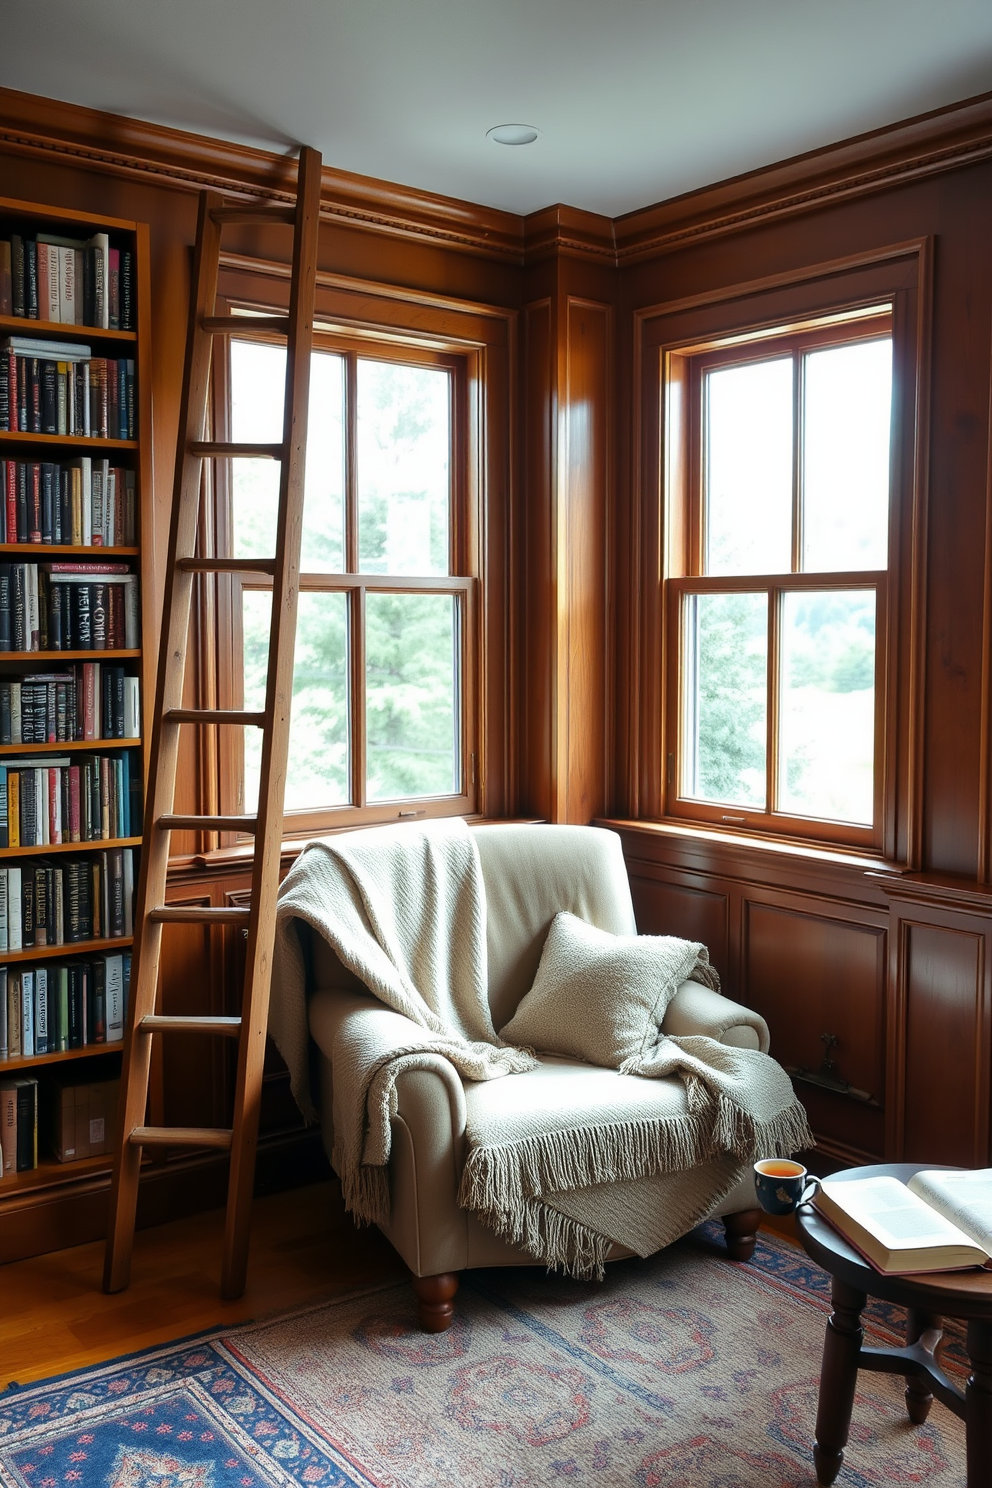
(944, 992)
(665, 908)
(810, 976)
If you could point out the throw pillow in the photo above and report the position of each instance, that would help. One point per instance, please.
(601, 997)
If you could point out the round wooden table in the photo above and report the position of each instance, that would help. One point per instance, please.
(928, 1299)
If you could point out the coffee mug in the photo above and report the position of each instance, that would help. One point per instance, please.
(782, 1185)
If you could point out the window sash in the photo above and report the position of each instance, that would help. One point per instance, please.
(771, 819)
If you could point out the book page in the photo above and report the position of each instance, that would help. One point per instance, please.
(964, 1198)
(887, 1209)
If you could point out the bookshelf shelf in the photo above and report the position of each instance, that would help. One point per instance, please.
(46, 550)
(19, 325)
(70, 847)
(33, 656)
(77, 948)
(35, 1061)
(99, 745)
(67, 442)
(89, 961)
(49, 1172)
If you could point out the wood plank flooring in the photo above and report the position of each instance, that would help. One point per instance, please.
(54, 1316)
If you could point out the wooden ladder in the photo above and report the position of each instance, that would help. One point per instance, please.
(151, 911)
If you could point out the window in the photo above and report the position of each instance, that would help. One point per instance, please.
(777, 619)
(381, 719)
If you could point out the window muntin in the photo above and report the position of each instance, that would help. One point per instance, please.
(777, 616)
(380, 701)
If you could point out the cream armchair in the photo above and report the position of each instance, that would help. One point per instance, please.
(531, 873)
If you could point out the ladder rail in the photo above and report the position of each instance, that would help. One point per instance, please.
(163, 755)
(160, 818)
(275, 739)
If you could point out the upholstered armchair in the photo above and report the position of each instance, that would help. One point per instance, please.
(531, 873)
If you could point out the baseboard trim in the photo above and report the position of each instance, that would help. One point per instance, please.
(77, 1213)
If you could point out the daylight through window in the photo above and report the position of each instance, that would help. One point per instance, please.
(378, 687)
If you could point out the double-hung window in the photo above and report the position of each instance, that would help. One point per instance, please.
(777, 620)
(382, 723)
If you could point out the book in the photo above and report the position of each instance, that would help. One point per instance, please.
(8, 1129)
(941, 1220)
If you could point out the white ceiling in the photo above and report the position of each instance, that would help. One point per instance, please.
(636, 100)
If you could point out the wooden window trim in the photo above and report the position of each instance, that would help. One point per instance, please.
(899, 275)
(464, 581)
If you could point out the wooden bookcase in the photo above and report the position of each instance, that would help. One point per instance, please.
(92, 1061)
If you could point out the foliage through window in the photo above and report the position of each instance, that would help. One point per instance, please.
(379, 710)
(778, 616)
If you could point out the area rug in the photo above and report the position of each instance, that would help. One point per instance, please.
(685, 1370)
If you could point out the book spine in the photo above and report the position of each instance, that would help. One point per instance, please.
(14, 936)
(6, 287)
(14, 1012)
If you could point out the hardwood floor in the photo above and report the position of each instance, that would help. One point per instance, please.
(54, 1316)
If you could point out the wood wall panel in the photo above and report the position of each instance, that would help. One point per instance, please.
(583, 544)
(664, 908)
(810, 976)
(945, 995)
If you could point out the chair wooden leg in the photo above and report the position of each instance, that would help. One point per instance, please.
(435, 1299)
(742, 1233)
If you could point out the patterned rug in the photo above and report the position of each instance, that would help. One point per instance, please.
(684, 1370)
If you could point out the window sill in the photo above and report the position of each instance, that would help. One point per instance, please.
(242, 854)
(778, 847)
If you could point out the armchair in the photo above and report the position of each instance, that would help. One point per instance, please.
(530, 873)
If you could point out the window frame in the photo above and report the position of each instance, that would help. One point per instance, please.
(462, 581)
(691, 365)
(898, 274)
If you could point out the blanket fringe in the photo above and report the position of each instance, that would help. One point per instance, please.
(498, 1180)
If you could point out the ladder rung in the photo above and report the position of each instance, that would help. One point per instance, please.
(241, 216)
(200, 914)
(168, 822)
(160, 1023)
(180, 1136)
(227, 565)
(215, 715)
(233, 325)
(227, 450)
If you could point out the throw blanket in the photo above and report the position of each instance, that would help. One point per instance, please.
(404, 908)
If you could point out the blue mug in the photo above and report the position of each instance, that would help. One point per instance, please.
(782, 1185)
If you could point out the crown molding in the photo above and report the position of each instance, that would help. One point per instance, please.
(46, 127)
(945, 139)
(570, 232)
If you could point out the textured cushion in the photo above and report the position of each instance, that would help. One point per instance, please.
(600, 997)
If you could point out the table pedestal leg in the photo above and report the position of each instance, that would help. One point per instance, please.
(838, 1378)
(928, 1329)
(978, 1404)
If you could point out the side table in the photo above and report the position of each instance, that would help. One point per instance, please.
(928, 1299)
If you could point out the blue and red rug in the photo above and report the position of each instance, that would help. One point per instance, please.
(684, 1370)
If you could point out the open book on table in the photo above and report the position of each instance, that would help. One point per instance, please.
(941, 1220)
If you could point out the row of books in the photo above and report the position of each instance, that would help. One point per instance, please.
(56, 388)
(91, 798)
(89, 503)
(68, 900)
(56, 1006)
(93, 700)
(68, 607)
(75, 281)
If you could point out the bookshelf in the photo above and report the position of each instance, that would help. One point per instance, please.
(75, 462)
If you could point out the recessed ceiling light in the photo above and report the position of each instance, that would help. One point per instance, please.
(513, 134)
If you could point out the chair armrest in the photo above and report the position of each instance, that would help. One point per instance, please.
(344, 1022)
(696, 1009)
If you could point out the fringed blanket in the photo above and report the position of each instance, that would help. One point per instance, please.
(404, 908)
